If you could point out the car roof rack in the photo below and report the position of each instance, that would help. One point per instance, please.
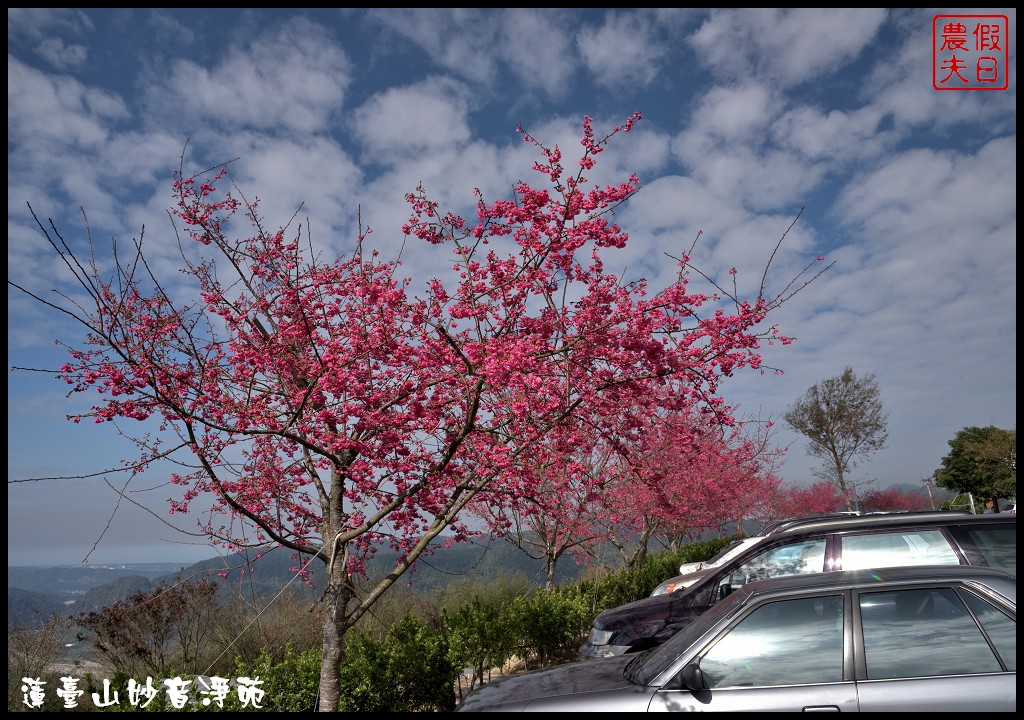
(852, 517)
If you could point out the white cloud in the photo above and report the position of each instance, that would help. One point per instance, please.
(427, 117)
(37, 27)
(789, 46)
(735, 113)
(273, 84)
(461, 40)
(537, 45)
(57, 110)
(834, 135)
(932, 194)
(625, 49)
(61, 54)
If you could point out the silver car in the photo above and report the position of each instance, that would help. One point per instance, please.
(690, 573)
(811, 546)
(921, 639)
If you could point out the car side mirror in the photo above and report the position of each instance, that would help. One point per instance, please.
(691, 677)
(724, 591)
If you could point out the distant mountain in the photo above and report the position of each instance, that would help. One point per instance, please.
(69, 582)
(245, 575)
(72, 589)
(31, 609)
(108, 594)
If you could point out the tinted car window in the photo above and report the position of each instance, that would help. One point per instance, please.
(1001, 628)
(920, 547)
(806, 556)
(994, 545)
(789, 642)
(907, 632)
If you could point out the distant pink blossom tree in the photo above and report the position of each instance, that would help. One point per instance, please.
(561, 516)
(335, 408)
(818, 498)
(894, 500)
(691, 474)
(666, 478)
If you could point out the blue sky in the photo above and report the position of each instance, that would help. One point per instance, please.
(749, 116)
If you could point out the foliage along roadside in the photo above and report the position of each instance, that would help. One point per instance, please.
(428, 659)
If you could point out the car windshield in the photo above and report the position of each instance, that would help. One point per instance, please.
(731, 550)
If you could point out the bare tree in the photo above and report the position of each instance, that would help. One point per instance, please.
(843, 420)
(33, 651)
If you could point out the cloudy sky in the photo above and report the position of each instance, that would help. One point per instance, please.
(749, 117)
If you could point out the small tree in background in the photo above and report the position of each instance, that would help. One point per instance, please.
(981, 461)
(671, 477)
(32, 652)
(817, 498)
(894, 500)
(842, 418)
(687, 477)
(561, 517)
(153, 633)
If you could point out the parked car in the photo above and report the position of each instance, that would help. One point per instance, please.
(909, 639)
(1010, 508)
(807, 546)
(690, 573)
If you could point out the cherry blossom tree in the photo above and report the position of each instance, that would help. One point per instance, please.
(563, 513)
(668, 477)
(894, 500)
(691, 473)
(332, 407)
(818, 498)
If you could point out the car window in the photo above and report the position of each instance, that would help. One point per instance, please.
(786, 642)
(798, 558)
(994, 544)
(1001, 628)
(908, 633)
(907, 547)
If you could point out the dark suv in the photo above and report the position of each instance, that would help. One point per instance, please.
(813, 545)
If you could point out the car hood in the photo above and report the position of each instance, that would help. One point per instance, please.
(517, 691)
(652, 617)
(688, 579)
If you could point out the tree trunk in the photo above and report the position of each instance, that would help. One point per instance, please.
(336, 623)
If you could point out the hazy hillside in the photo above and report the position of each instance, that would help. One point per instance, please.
(41, 591)
(243, 574)
(35, 592)
(71, 581)
(28, 608)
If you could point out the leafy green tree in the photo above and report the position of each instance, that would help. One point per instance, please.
(981, 461)
(842, 418)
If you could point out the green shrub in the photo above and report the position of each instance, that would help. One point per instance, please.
(409, 671)
(480, 637)
(550, 624)
(618, 588)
